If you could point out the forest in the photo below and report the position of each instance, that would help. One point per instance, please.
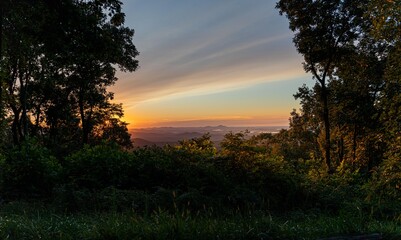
(68, 169)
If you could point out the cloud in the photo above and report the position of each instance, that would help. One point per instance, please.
(236, 121)
(207, 45)
(194, 48)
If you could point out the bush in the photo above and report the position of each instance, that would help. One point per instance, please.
(384, 188)
(97, 167)
(173, 168)
(196, 149)
(257, 177)
(29, 170)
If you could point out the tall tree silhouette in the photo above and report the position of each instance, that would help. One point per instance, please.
(58, 59)
(324, 33)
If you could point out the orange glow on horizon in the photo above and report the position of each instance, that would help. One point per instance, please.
(136, 122)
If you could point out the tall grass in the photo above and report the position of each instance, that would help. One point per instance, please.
(30, 221)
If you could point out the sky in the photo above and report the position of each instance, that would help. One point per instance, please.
(209, 62)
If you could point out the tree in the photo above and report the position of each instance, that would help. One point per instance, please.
(356, 96)
(52, 88)
(325, 31)
(20, 59)
(386, 18)
(108, 126)
(387, 28)
(2, 6)
(102, 43)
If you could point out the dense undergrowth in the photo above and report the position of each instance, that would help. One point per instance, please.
(187, 191)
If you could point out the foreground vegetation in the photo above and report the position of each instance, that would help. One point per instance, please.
(188, 191)
(29, 221)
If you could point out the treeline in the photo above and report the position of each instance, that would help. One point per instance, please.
(350, 118)
(57, 60)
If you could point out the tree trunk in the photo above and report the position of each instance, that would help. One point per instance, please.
(326, 121)
(83, 122)
(340, 149)
(86, 120)
(1, 59)
(23, 99)
(354, 144)
(15, 126)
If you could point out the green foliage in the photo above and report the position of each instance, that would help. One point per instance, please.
(339, 192)
(29, 171)
(175, 170)
(260, 178)
(189, 176)
(202, 148)
(112, 130)
(181, 191)
(386, 16)
(242, 149)
(325, 39)
(385, 188)
(152, 167)
(96, 167)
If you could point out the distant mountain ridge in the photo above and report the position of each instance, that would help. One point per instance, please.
(161, 136)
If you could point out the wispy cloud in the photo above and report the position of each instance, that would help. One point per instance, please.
(191, 48)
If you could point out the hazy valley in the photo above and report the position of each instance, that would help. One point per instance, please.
(161, 136)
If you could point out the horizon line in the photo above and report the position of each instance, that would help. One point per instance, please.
(212, 126)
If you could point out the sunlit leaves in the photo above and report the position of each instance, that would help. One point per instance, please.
(386, 18)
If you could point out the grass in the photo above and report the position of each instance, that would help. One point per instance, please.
(34, 221)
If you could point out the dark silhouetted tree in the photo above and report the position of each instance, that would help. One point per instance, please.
(325, 31)
(57, 74)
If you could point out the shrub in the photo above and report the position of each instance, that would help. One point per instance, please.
(97, 167)
(384, 189)
(173, 168)
(196, 149)
(29, 171)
